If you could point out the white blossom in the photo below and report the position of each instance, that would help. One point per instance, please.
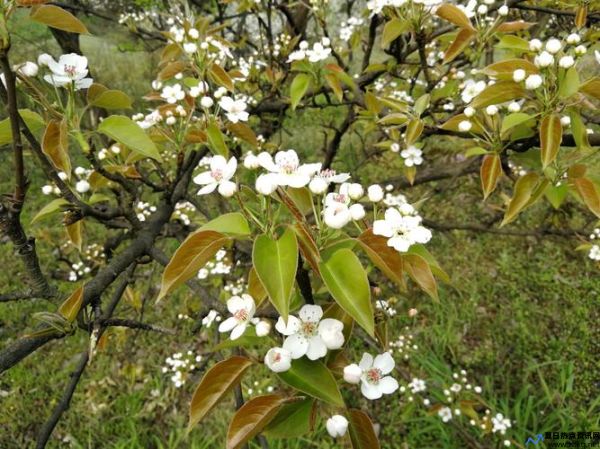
(70, 69)
(285, 169)
(374, 379)
(218, 177)
(412, 156)
(278, 360)
(337, 426)
(236, 109)
(375, 193)
(173, 94)
(402, 229)
(309, 334)
(242, 309)
(533, 82)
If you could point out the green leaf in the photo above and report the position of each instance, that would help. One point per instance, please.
(513, 43)
(127, 132)
(313, 378)
(393, 29)
(70, 308)
(112, 99)
(52, 207)
(434, 265)
(569, 83)
(556, 194)
(216, 140)
(33, 120)
(347, 282)
(197, 249)
(233, 224)
(523, 190)
(276, 262)
(292, 421)
(217, 381)
(514, 119)
(56, 17)
(299, 86)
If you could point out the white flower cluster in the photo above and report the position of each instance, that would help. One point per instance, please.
(192, 42)
(211, 317)
(319, 51)
(308, 335)
(180, 365)
(182, 212)
(594, 253)
(403, 345)
(143, 210)
(348, 27)
(112, 152)
(372, 374)
(219, 266)
(386, 306)
(81, 186)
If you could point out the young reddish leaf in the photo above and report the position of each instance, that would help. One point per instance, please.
(55, 145)
(420, 272)
(217, 381)
(462, 39)
(56, 17)
(221, 77)
(308, 247)
(244, 132)
(491, 170)
(74, 231)
(298, 88)
(387, 259)
(255, 287)
(70, 308)
(347, 282)
(505, 69)
(362, 432)
(197, 249)
(413, 131)
(510, 27)
(276, 262)
(591, 88)
(454, 15)
(251, 418)
(581, 16)
(589, 193)
(497, 93)
(171, 69)
(550, 138)
(313, 378)
(522, 194)
(335, 85)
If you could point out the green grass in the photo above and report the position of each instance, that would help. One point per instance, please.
(520, 316)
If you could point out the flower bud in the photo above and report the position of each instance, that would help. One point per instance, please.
(278, 360)
(352, 373)
(375, 193)
(337, 426)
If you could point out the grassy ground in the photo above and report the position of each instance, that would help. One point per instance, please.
(521, 316)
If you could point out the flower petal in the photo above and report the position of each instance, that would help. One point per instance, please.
(238, 331)
(311, 313)
(384, 362)
(316, 348)
(297, 345)
(366, 362)
(388, 385)
(293, 325)
(370, 391)
(228, 324)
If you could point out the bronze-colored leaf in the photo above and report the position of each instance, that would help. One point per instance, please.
(387, 259)
(197, 249)
(221, 77)
(550, 138)
(523, 191)
(455, 15)
(217, 381)
(510, 27)
(70, 308)
(463, 38)
(56, 17)
(420, 272)
(589, 193)
(251, 418)
(362, 432)
(491, 170)
(55, 145)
